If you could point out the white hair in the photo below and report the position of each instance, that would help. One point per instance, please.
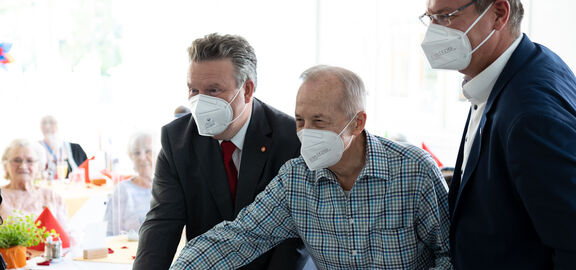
(36, 147)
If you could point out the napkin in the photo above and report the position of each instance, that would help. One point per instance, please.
(49, 221)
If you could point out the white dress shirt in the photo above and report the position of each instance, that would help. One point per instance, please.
(477, 90)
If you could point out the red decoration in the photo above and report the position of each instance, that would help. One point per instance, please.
(46, 262)
(50, 222)
(433, 156)
(86, 166)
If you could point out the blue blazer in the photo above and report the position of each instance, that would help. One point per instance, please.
(515, 205)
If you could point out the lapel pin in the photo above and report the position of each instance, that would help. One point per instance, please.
(263, 149)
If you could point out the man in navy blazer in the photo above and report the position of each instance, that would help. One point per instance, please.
(192, 186)
(513, 195)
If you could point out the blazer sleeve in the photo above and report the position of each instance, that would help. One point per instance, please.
(162, 229)
(542, 162)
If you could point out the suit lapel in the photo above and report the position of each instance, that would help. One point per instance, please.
(457, 177)
(473, 157)
(255, 150)
(211, 170)
(515, 63)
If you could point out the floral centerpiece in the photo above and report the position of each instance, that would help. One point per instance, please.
(16, 234)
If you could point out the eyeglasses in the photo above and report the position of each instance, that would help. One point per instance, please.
(141, 151)
(18, 161)
(442, 19)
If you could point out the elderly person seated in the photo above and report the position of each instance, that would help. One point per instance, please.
(70, 155)
(23, 161)
(130, 201)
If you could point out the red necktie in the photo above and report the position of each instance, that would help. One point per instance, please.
(227, 150)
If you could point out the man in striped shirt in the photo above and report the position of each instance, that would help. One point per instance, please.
(358, 201)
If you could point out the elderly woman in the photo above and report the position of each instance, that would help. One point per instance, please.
(130, 201)
(23, 161)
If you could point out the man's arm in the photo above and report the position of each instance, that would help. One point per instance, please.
(291, 254)
(161, 232)
(258, 228)
(433, 222)
(542, 162)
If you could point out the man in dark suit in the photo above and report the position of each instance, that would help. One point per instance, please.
(513, 195)
(215, 160)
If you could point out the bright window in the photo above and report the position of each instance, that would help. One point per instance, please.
(106, 68)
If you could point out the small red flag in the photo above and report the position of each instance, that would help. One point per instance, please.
(433, 156)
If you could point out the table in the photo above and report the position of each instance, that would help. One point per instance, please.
(122, 258)
(86, 206)
(75, 195)
(68, 264)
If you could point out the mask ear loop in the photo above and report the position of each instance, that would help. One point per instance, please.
(245, 105)
(478, 19)
(482, 43)
(475, 22)
(339, 134)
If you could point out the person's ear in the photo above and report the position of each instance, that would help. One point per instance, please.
(502, 11)
(359, 123)
(248, 90)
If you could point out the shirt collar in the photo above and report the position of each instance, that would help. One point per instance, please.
(371, 168)
(477, 89)
(238, 139)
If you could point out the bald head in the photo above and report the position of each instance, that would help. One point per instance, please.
(328, 98)
(343, 86)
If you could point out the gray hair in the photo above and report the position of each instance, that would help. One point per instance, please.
(49, 118)
(516, 14)
(215, 46)
(36, 147)
(354, 92)
(139, 137)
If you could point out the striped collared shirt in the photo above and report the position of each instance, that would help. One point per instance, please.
(395, 216)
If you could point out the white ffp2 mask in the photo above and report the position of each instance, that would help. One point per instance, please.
(448, 48)
(212, 115)
(321, 148)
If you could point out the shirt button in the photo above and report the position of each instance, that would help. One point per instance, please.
(475, 107)
(351, 221)
(354, 253)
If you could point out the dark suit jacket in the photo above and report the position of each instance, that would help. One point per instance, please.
(190, 186)
(78, 155)
(515, 205)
